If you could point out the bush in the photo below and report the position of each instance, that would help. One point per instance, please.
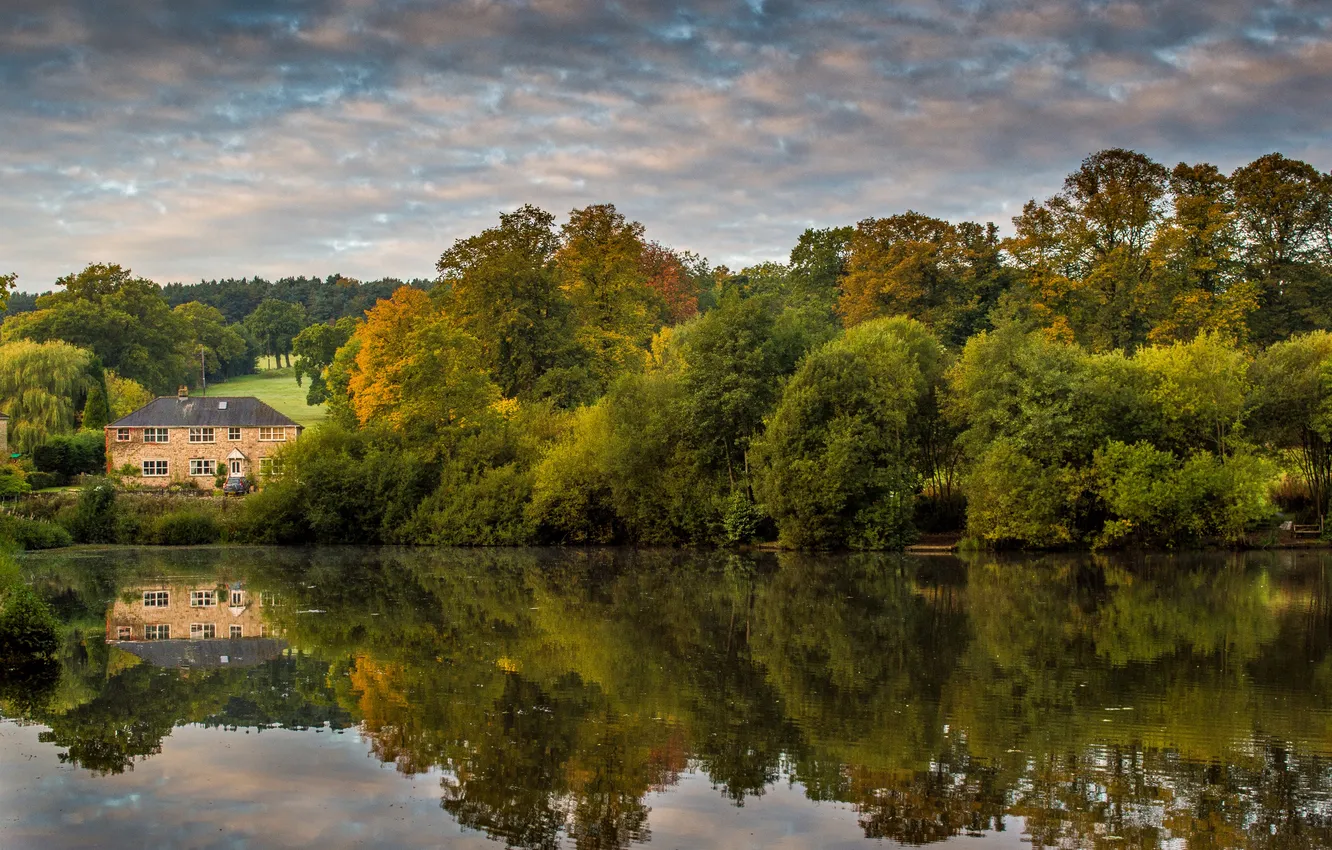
(72, 454)
(27, 627)
(43, 480)
(95, 517)
(184, 528)
(34, 534)
(742, 519)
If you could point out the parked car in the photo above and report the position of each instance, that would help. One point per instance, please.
(237, 486)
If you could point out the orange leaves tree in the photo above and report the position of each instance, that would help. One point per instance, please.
(415, 371)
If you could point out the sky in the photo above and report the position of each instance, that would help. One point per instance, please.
(230, 138)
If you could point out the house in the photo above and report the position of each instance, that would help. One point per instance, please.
(184, 438)
(4, 435)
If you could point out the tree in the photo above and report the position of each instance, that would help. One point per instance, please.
(415, 371)
(1289, 403)
(275, 324)
(123, 395)
(122, 319)
(1284, 210)
(315, 347)
(41, 384)
(667, 276)
(502, 288)
(818, 262)
(97, 409)
(8, 282)
(600, 259)
(226, 352)
(736, 356)
(835, 460)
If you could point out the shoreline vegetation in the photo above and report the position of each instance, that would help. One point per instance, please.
(1145, 363)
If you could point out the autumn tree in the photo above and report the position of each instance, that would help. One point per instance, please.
(415, 371)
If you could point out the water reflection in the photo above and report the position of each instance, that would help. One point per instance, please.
(1079, 701)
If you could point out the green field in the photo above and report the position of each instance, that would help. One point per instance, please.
(277, 388)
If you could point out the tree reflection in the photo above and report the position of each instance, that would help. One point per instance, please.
(1104, 702)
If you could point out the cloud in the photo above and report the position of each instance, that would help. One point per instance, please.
(234, 137)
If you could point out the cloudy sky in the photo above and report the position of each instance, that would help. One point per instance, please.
(219, 138)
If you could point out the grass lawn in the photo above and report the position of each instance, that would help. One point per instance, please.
(278, 389)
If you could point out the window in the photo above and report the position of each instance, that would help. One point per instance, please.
(124, 633)
(156, 599)
(221, 405)
(233, 433)
(203, 467)
(267, 598)
(272, 435)
(270, 466)
(122, 435)
(202, 435)
(263, 631)
(162, 632)
(154, 435)
(237, 631)
(154, 468)
(237, 598)
(203, 598)
(202, 631)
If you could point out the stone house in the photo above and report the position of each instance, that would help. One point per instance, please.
(183, 438)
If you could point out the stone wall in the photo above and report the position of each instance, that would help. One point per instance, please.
(125, 621)
(178, 451)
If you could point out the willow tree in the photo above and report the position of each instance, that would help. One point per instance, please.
(40, 383)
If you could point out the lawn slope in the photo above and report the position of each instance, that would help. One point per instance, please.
(278, 389)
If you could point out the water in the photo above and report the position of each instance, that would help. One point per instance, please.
(387, 698)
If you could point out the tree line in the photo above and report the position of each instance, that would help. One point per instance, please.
(1142, 361)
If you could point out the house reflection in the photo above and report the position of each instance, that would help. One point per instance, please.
(190, 624)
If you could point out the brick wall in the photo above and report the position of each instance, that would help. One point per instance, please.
(129, 613)
(178, 451)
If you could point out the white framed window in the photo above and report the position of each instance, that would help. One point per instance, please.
(267, 598)
(237, 598)
(203, 598)
(122, 435)
(154, 469)
(233, 433)
(202, 631)
(202, 435)
(270, 466)
(156, 599)
(155, 435)
(237, 631)
(124, 632)
(263, 631)
(157, 632)
(199, 466)
(272, 435)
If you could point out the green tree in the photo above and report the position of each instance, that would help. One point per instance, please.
(1288, 405)
(97, 408)
(503, 288)
(836, 458)
(122, 319)
(41, 384)
(315, 348)
(226, 353)
(275, 324)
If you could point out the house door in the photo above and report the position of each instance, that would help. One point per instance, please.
(236, 468)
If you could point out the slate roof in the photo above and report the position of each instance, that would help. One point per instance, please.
(172, 412)
(205, 654)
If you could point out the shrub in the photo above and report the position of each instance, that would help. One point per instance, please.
(742, 518)
(12, 482)
(43, 480)
(72, 454)
(34, 534)
(184, 528)
(27, 626)
(95, 516)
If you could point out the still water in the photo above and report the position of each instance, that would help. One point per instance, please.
(534, 699)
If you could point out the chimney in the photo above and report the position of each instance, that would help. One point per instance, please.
(183, 392)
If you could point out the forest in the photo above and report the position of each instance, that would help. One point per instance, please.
(1145, 361)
